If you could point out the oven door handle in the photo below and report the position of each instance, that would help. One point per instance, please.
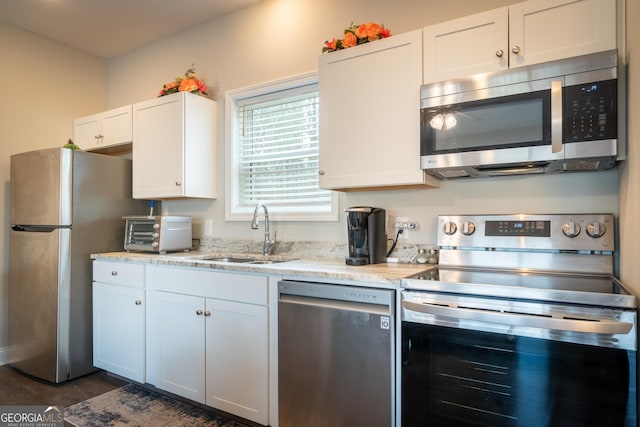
(592, 325)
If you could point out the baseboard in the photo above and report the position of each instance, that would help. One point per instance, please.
(4, 355)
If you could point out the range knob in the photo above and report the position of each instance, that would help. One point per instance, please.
(571, 229)
(468, 228)
(596, 229)
(449, 228)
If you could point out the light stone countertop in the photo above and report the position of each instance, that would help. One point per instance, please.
(331, 269)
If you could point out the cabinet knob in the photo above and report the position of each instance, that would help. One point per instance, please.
(320, 172)
(515, 49)
(499, 53)
(138, 302)
(178, 184)
(114, 273)
(207, 313)
(199, 312)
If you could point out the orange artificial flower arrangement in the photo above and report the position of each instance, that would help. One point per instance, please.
(357, 34)
(190, 82)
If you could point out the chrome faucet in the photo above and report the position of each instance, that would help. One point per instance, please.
(268, 243)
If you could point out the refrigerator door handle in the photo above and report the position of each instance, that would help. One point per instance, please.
(37, 228)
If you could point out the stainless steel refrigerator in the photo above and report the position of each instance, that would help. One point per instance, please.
(64, 205)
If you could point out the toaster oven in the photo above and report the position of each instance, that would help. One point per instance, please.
(159, 233)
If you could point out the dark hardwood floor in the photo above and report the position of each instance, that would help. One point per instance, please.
(17, 388)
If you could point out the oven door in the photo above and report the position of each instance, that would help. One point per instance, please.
(512, 124)
(459, 371)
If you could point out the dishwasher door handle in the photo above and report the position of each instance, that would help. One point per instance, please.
(590, 325)
(383, 310)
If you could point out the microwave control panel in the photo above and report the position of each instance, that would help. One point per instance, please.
(590, 111)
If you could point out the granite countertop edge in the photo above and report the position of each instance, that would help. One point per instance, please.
(288, 267)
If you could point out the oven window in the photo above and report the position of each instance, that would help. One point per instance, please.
(456, 377)
(510, 121)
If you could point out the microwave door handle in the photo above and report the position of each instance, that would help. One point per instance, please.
(597, 326)
(556, 116)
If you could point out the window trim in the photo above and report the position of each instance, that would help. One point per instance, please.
(233, 212)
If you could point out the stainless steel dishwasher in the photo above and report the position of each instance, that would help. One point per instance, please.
(335, 355)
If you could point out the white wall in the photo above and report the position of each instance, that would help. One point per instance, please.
(280, 38)
(630, 171)
(44, 86)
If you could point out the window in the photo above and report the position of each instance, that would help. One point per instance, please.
(272, 152)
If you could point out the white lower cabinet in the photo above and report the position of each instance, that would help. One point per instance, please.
(236, 363)
(181, 335)
(208, 338)
(119, 319)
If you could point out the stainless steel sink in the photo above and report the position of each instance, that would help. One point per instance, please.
(226, 259)
(241, 259)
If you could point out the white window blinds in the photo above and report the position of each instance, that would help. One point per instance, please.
(277, 150)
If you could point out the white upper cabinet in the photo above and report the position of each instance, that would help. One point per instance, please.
(174, 147)
(466, 46)
(103, 130)
(526, 33)
(546, 30)
(370, 115)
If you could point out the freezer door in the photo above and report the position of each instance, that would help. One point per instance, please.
(39, 302)
(41, 187)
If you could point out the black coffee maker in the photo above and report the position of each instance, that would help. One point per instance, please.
(367, 237)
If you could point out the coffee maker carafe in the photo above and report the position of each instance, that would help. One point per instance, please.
(367, 237)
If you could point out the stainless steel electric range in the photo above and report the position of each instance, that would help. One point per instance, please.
(522, 324)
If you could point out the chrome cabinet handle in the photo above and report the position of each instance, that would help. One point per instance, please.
(199, 312)
(592, 325)
(515, 49)
(499, 53)
(114, 273)
(207, 313)
(138, 302)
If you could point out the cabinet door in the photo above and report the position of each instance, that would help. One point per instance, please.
(546, 30)
(181, 345)
(117, 126)
(370, 114)
(466, 46)
(158, 158)
(237, 359)
(86, 132)
(119, 330)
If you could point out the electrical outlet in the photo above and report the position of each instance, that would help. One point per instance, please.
(406, 225)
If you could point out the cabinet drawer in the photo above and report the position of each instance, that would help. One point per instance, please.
(119, 273)
(238, 287)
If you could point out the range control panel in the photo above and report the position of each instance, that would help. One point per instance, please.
(572, 232)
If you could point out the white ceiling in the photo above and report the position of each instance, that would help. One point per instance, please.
(108, 28)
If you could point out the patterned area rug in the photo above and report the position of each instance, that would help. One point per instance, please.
(131, 405)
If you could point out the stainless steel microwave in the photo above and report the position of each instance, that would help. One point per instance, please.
(559, 116)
